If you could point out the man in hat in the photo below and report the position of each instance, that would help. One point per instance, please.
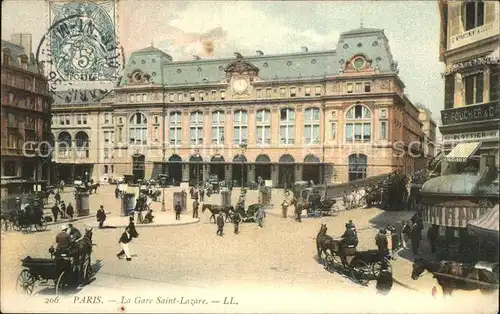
(236, 222)
(74, 233)
(70, 211)
(178, 210)
(349, 238)
(101, 216)
(381, 242)
(220, 225)
(196, 206)
(125, 239)
(63, 239)
(284, 205)
(55, 212)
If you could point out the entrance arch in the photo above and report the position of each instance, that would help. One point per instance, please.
(138, 166)
(286, 172)
(263, 167)
(195, 169)
(358, 163)
(175, 169)
(217, 167)
(240, 173)
(311, 169)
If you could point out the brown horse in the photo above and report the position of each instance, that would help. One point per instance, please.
(325, 243)
(457, 276)
(215, 210)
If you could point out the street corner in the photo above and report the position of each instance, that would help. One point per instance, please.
(160, 220)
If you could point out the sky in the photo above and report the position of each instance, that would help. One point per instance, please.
(213, 29)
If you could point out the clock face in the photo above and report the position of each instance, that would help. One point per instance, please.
(240, 85)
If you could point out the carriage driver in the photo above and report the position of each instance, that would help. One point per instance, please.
(73, 233)
(349, 238)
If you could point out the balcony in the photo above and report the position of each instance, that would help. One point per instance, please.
(474, 35)
(73, 155)
(472, 113)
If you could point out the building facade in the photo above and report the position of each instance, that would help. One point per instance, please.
(429, 129)
(329, 116)
(470, 49)
(25, 114)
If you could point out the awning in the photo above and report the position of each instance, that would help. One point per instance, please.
(462, 152)
(487, 224)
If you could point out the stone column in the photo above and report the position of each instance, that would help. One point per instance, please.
(185, 172)
(251, 173)
(228, 172)
(298, 168)
(274, 174)
(205, 172)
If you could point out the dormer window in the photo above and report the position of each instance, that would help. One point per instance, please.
(292, 92)
(192, 96)
(5, 58)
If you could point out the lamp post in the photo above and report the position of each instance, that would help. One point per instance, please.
(243, 147)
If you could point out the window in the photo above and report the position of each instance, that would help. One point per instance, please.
(192, 96)
(474, 88)
(138, 129)
(311, 128)
(307, 91)
(106, 153)
(108, 137)
(282, 91)
(349, 88)
(368, 87)
(333, 134)
(81, 118)
(106, 169)
(107, 118)
(144, 97)
(120, 120)
(358, 87)
(258, 93)
(196, 128)
(358, 163)
(180, 96)
(268, 92)
(156, 135)
(120, 135)
(287, 126)
(9, 168)
(64, 119)
(383, 114)
(358, 126)
(474, 14)
(112, 169)
(214, 94)
(202, 96)
(292, 92)
(317, 90)
(222, 94)
(132, 98)
(175, 134)
(171, 97)
(240, 127)
(383, 130)
(263, 127)
(218, 119)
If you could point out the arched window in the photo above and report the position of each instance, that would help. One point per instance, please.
(138, 129)
(357, 166)
(64, 141)
(175, 133)
(218, 119)
(358, 127)
(240, 127)
(287, 126)
(311, 127)
(196, 128)
(263, 126)
(81, 140)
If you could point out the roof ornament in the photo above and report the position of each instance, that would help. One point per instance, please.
(304, 49)
(259, 52)
(238, 56)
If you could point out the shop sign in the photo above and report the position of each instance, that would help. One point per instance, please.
(474, 35)
(452, 216)
(470, 64)
(472, 136)
(480, 112)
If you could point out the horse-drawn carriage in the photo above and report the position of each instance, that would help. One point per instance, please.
(314, 196)
(67, 270)
(248, 215)
(23, 214)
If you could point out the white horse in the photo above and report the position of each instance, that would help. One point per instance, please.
(354, 199)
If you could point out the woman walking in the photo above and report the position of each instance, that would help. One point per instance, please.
(124, 241)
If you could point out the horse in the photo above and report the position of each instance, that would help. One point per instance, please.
(323, 241)
(216, 209)
(463, 272)
(84, 251)
(299, 205)
(94, 187)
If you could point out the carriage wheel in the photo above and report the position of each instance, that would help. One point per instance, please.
(87, 270)
(330, 261)
(377, 267)
(360, 271)
(61, 283)
(42, 227)
(15, 226)
(26, 282)
(27, 228)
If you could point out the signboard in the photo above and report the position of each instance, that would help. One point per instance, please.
(452, 216)
(474, 113)
(472, 136)
(473, 35)
(268, 183)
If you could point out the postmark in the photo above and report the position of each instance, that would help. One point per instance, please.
(80, 46)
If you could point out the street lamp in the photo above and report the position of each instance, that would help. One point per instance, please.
(243, 147)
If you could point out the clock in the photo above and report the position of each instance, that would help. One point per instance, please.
(240, 85)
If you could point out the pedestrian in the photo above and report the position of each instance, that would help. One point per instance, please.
(55, 212)
(57, 197)
(131, 227)
(392, 240)
(384, 279)
(220, 225)
(117, 192)
(416, 236)
(299, 207)
(202, 194)
(381, 242)
(405, 236)
(62, 212)
(236, 222)
(178, 210)
(432, 236)
(124, 241)
(101, 216)
(70, 211)
(284, 205)
(261, 214)
(398, 230)
(196, 206)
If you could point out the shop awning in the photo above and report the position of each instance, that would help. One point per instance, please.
(487, 224)
(463, 151)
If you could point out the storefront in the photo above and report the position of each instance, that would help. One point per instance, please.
(485, 230)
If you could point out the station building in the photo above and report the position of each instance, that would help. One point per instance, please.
(327, 116)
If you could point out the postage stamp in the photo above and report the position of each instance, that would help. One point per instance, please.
(167, 156)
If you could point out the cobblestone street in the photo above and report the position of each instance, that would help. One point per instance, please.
(279, 256)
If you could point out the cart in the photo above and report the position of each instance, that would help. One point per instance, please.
(315, 198)
(249, 214)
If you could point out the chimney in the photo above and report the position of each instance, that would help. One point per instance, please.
(23, 40)
(304, 49)
(259, 52)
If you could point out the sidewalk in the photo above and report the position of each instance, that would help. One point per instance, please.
(161, 219)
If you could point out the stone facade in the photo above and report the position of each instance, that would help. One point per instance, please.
(322, 116)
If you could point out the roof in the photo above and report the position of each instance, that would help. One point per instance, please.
(17, 51)
(458, 185)
(287, 66)
(487, 223)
